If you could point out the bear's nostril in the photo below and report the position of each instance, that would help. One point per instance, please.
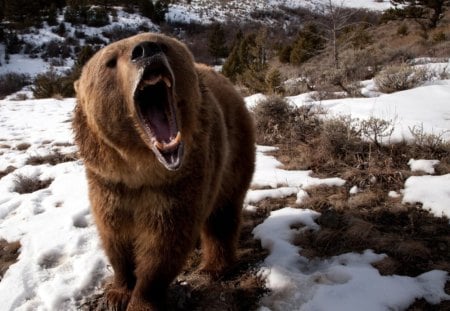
(145, 49)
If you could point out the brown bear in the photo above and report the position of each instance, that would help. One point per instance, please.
(169, 151)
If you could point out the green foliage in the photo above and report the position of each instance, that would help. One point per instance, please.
(156, 11)
(273, 82)
(360, 38)
(247, 62)
(22, 13)
(309, 43)
(439, 37)
(430, 10)
(284, 54)
(12, 42)
(91, 16)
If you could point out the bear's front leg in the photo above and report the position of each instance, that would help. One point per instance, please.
(159, 255)
(119, 252)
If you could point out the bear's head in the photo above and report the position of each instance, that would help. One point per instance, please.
(137, 94)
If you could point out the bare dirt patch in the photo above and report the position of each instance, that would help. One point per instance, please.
(240, 289)
(8, 255)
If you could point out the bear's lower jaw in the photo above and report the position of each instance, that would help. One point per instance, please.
(171, 159)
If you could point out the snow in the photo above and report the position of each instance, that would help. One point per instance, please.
(22, 63)
(344, 282)
(432, 191)
(406, 109)
(206, 12)
(426, 166)
(61, 261)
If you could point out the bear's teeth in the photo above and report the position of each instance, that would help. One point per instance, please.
(167, 82)
(155, 80)
(174, 142)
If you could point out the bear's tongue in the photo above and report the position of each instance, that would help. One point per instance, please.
(156, 118)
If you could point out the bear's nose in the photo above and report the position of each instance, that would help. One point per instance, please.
(145, 49)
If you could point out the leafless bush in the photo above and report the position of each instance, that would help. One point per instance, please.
(339, 136)
(430, 142)
(12, 82)
(376, 129)
(400, 77)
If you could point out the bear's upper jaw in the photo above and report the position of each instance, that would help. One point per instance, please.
(154, 103)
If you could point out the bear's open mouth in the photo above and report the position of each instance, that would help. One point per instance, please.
(155, 106)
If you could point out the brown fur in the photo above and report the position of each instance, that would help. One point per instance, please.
(149, 218)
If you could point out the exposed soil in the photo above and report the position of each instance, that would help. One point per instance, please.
(8, 255)
(239, 290)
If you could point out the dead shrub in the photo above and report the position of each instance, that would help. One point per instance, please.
(12, 82)
(400, 77)
(338, 138)
(277, 121)
(7, 171)
(25, 184)
(431, 143)
(376, 129)
(56, 157)
(23, 146)
(366, 199)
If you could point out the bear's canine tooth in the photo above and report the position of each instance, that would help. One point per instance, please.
(168, 146)
(167, 82)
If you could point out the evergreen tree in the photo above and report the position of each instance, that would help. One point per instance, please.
(273, 81)
(51, 15)
(147, 8)
(234, 65)
(161, 8)
(309, 43)
(431, 10)
(216, 42)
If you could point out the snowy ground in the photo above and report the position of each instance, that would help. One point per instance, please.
(61, 261)
(205, 11)
(23, 63)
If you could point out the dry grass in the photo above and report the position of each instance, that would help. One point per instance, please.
(23, 146)
(25, 184)
(53, 158)
(414, 240)
(7, 171)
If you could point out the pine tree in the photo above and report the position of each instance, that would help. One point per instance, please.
(273, 81)
(233, 66)
(309, 43)
(216, 42)
(147, 8)
(161, 8)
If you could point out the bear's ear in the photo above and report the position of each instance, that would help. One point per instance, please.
(75, 85)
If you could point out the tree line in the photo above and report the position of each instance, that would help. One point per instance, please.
(19, 14)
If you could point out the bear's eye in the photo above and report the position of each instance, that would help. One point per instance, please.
(112, 62)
